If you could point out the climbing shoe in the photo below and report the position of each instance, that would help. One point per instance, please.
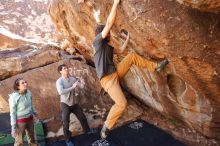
(104, 132)
(161, 65)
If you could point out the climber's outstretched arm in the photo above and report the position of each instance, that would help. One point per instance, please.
(110, 20)
(123, 47)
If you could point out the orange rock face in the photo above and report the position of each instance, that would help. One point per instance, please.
(189, 88)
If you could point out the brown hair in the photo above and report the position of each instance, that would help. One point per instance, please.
(60, 67)
(99, 29)
(16, 84)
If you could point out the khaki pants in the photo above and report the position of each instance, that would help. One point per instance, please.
(22, 128)
(110, 83)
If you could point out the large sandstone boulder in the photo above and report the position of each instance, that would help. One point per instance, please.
(189, 87)
(7, 42)
(203, 5)
(18, 60)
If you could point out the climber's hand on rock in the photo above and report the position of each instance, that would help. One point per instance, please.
(80, 1)
(124, 34)
(116, 1)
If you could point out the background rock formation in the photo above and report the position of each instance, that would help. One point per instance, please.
(15, 61)
(203, 5)
(189, 88)
(7, 42)
(25, 22)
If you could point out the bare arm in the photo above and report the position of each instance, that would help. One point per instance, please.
(110, 20)
(123, 47)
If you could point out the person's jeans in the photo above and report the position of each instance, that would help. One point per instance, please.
(111, 84)
(77, 110)
(22, 128)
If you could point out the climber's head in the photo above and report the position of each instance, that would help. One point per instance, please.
(99, 29)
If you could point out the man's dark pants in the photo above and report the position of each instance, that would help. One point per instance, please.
(77, 110)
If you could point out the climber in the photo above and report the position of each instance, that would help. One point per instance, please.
(65, 87)
(109, 75)
(22, 113)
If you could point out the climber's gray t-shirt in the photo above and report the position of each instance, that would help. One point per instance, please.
(103, 56)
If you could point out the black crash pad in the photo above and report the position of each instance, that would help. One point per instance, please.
(137, 133)
(5, 125)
